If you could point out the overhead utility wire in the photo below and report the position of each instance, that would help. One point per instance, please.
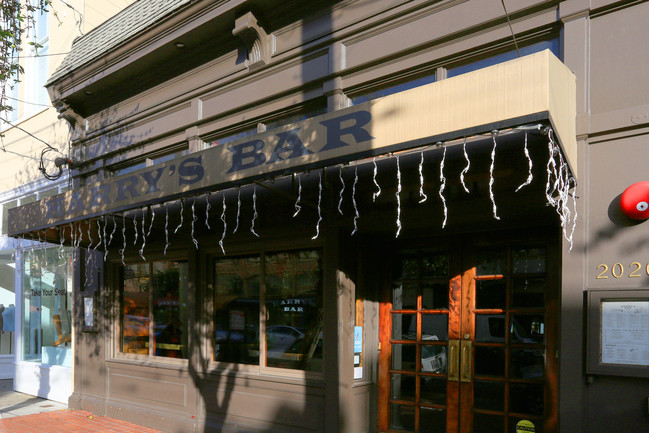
(511, 29)
(20, 56)
(27, 102)
(32, 135)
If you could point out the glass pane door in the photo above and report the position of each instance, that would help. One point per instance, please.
(419, 337)
(470, 336)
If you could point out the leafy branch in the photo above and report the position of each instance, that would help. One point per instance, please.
(17, 20)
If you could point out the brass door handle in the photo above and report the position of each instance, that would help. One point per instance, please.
(465, 361)
(454, 360)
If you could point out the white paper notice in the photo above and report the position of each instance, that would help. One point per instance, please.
(625, 332)
(88, 314)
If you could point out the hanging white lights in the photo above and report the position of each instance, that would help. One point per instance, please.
(491, 175)
(182, 209)
(194, 219)
(254, 210)
(558, 191)
(465, 170)
(378, 188)
(529, 166)
(299, 196)
(422, 196)
(236, 227)
(342, 189)
(135, 228)
(225, 226)
(317, 226)
(442, 186)
(123, 249)
(207, 210)
(356, 214)
(141, 251)
(398, 194)
(166, 228)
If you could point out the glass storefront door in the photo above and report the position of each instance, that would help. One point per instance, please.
(47, 306)
(468, 339)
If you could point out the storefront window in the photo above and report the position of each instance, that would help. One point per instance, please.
(154, 309)
(292, 314)
(47, 306)
(7, 301)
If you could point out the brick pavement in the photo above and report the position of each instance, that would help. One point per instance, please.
(69, 421)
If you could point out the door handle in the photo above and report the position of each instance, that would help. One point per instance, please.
(454, 360)
(465, 361)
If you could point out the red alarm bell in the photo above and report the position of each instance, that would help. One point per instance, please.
(634, 202)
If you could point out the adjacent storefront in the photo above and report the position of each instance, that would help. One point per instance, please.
(44, 357)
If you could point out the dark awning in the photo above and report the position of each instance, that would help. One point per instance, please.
(531, 89)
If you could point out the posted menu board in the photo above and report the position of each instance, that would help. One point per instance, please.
(625, 332)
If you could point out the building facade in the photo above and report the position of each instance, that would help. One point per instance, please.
(355, 216)
(35, 336)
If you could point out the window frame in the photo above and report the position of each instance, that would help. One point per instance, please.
(207, 302)
(131, 258)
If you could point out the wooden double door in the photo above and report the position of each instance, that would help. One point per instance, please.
(468, 333)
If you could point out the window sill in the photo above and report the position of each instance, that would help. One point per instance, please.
(149, 361)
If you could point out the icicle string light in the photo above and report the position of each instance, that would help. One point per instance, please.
(100, 221)
(254, 210)
(61, 237)
(194, 219)
(141, 251)
(491, 176)
(529, 166)
(225, 226)
(378, 188)
(356, 214)
(342, 189)
(560, 182)
(73, 240)
(182, 211)
(442, 186)
(87, 271)
(148, 233)
(166, 229)
(551, 169)
(422, 195)
(574, 208)
(207, 210)
(317, 226)
(110, 239)
(299, 196)
(135, 228)
(236, 227)
(398, 194)
(123, 249)
(466, 168)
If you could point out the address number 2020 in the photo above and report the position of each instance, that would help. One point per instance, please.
(635, 270)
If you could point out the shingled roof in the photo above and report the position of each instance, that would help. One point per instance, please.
(137, 17)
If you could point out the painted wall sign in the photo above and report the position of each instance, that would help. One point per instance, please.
(531, 88)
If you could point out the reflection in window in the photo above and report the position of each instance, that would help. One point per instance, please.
(293, 315)
(552, 45)
(154, 309)
(359, 99)
(47, 306)
(236, 305)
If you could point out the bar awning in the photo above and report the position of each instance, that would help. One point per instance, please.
(533, 89)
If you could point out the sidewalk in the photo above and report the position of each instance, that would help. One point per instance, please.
(21, 413)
